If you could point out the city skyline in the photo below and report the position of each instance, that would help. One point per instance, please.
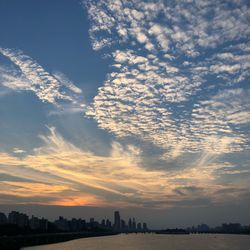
(22, 220)
(18, 230)
(142, 107)
(118, 225)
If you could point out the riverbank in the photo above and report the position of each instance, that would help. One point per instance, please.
(17, 242)
(154, 241)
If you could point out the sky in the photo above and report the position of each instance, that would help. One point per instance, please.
(142, 106)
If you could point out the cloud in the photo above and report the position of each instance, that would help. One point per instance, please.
(11, 79)
(66, 82)
(187, 26)
(179, 80)
(28, 75)
(168, 61)
(62, 174)
(18, 151)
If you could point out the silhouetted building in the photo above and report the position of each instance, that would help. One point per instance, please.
(231, 227)
(108, 224)
(37, 225)
(62, 224)
(103, 223)
(202, 228)
(34, 223)
(74, 225)
(123, 225)
(13, 217)
(43, 224)
(134, 224)
(3, 218)
(77, 225)
(93, 224)
(130, 224)
(117, 220)
(20, 219)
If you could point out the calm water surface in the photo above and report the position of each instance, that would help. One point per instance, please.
(153, 241)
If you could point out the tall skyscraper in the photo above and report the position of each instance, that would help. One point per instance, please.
(3, 218)
(134, 224)
(117, 220)
(130, 224)
(20, 219)
(123, 224)
(108, 223)
(103, 223)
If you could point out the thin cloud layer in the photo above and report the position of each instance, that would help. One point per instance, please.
(61, 173)
(170, 58)
(28, 75)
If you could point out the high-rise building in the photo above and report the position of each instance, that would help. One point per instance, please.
(103, 223)
(123, 224)
(74, 225)
(77, 225)
(134, 224)
(93, 224)
(3, 218)
(44, 224)
(108, 223)
(13, 217)
(139, 226)
(130, 224)
(22, 220)
(39, 224)
(144, 226)
(34, 223)
(62, 224)
(117, 220)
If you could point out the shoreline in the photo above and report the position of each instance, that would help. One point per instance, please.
(167, 236)
(23, 241)
(18, 242)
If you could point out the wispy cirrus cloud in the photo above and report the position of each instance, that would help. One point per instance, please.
(60, 173)
(169, 58)
(27, 75)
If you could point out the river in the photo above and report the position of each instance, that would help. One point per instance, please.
(154, 242)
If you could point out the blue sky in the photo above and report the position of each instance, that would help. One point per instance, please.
(130, 103)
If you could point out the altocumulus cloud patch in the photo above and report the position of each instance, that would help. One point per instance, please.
(172, 60)
(27, 75)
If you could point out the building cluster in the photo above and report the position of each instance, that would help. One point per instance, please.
(23, 221)
(224, 228)
(73, 225)
(131, 226)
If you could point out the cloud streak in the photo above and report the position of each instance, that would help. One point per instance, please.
(85, 178)
(28, 75)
